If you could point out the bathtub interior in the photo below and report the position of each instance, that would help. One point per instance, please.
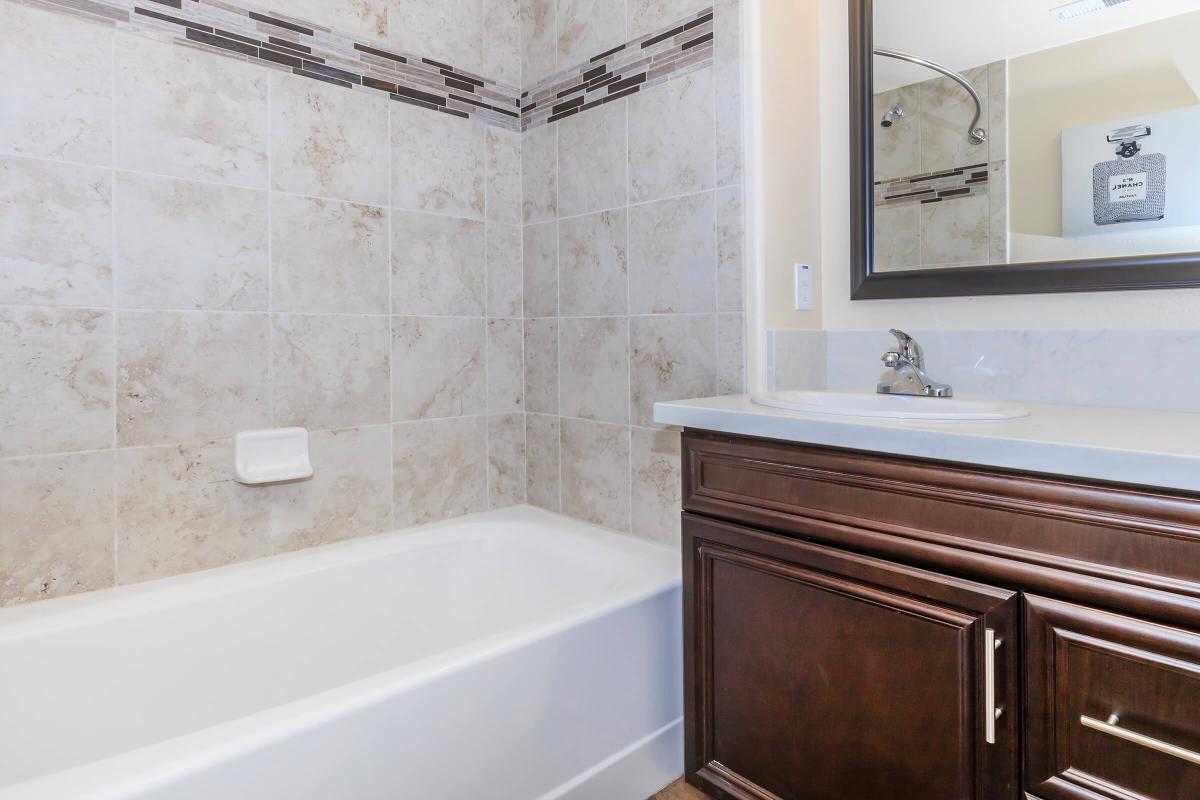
(86, 680)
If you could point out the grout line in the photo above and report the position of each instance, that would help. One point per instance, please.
(629, 410)
(115, 272)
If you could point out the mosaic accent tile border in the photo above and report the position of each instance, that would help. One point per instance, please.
(314, 51)
(934, 187)
(282, 42)
(621, 71)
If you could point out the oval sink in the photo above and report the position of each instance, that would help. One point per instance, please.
(890, 406)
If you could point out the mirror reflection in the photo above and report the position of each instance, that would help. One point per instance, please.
(1021, 131)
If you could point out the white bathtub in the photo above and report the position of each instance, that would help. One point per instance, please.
(513, 655)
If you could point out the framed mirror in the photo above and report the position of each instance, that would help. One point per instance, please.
(1024, 146)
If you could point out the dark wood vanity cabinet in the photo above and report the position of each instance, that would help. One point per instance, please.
(863, 626)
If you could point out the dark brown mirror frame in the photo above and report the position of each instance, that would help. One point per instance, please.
(1173, 271)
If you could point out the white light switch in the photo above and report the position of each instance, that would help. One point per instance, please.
(804, 287)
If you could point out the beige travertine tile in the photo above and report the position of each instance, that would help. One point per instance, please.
(183, 112)
(946, 112)
(998, 213)
(349, 495)
(673, 358)
(672, 138)
(187, 245)
(592, 157)
(595, 368)
(502, 41)
(446, 30)
(56, 530)
(180, 510)
(540, 257)
(955, 232)
(329, 371)
(55, 233)
(727, 75)
(58, 72)
(593, 265)
(672, 256)
(367, 19)
(539, 173)
(731, 266)
(648, 16)
(731, 354)
(58, 380)
(328, 256)
(505, 271)
(505, 359)
(542, 447)
(595, 472)
(506, 460)
(328, 142)
(539, 40)
(503, 175)
(541, 366)
(440, 468)
(190, 376)
(438, 367)
(657, 485)
(898, 148)
(439, 265)
(898, 236)
(587, 28)
(437, 162)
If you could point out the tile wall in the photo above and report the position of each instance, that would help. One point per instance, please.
(941, 200)
(192, 244)
(632, 265)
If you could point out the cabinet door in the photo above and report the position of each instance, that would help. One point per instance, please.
(1113, 706)
(816, 674)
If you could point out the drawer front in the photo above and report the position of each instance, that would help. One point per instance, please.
(1112, 706)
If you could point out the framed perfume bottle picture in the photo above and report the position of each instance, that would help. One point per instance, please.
(1132, 175)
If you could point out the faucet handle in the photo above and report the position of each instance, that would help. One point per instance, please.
(909, 348)
(891, 359)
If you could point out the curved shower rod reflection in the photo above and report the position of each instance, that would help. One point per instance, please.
(975, 134)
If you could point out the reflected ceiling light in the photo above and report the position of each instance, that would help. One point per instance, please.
(1081, 8)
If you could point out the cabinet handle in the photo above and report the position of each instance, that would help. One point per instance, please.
(991, 713)
(1112, 729)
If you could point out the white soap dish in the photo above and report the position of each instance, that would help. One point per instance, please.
(271, 456)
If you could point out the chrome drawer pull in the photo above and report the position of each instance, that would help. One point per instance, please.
(1112, 729)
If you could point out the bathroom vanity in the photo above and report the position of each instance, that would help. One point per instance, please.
(903, 624)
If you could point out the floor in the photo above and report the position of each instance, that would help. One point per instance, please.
(680, 791)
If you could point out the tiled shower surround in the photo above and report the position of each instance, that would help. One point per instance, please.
(194, 243)
(941, 200)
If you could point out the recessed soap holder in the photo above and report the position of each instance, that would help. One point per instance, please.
(271, 456)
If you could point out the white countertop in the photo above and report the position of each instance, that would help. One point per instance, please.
(1148, 448)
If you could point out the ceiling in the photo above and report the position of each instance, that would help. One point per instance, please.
(968, 33)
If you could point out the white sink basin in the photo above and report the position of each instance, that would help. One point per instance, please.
(890, 406)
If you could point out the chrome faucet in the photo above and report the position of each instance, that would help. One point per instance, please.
(908, 360)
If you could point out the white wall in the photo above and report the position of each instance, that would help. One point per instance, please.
(1153, 310)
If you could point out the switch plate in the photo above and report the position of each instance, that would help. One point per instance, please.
(804, 287)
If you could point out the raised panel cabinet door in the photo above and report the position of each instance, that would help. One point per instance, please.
(1113, 706)
(817, 674)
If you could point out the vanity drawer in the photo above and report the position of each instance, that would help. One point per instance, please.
(1112, 706)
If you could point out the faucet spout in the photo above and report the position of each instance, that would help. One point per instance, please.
(909, 377)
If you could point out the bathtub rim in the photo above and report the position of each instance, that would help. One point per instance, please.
(119, 602)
